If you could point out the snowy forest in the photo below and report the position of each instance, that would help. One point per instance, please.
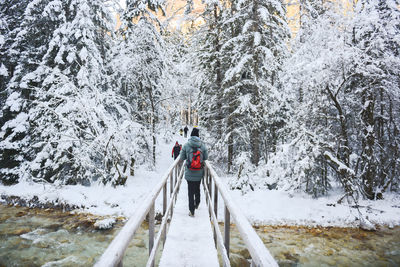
(303, 108)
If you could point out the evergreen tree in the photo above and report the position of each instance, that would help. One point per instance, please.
(27, 40)
(11, 14)
(243, 45)
(75, 122)
(208, 39)
(141, 49)
(375, 83)
(257, 49)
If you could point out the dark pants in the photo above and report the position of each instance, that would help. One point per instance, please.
(194, 194)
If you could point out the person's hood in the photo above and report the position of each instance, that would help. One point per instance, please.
(194, 141)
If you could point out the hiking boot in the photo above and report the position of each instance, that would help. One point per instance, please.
(197, 206)
(191, 214)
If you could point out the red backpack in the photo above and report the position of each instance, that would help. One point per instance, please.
(195, 161)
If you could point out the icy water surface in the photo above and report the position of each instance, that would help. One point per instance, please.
(331, 246)
(35, 237)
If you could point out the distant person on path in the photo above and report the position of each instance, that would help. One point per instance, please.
(186, 129)
(176, 150)
(181, 131)
(195, 153)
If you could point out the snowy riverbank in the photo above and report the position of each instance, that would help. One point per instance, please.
(279, 208)
(260, 207)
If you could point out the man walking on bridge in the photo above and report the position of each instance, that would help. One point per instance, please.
(195, 153)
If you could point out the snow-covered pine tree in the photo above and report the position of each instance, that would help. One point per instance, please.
(375, 83)
(79, 127)
(258, 46)
(11, 16)
(207, 42)
(3, 70)
(233, 135)
(140, 62)
(29, 27)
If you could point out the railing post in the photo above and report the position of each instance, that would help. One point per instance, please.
(178, 169)
(210, 186)
(205, 175)
(208, 182)
(164, 198)
(227, 229)
(215, 209)
(176, 176)
(216, 200)
(172, 209)
(205, 180)
(164, 234)
(151, 228)
(171, 184)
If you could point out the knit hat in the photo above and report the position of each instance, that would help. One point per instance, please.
(195, 132)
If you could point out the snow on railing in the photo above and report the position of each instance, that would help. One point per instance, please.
(259, 253)
(114, 253)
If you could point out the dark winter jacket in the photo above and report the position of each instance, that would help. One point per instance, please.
(175, 151)
(193, 142)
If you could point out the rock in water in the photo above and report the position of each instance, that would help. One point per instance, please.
(365, 224)
(104, 224)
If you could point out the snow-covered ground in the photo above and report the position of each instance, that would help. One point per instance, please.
(260, 207)
(278, 208)
(192, 235)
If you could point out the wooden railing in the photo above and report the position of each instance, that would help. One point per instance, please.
(213, 187)
(113, 255)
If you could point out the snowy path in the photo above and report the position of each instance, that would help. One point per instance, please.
(190, 239)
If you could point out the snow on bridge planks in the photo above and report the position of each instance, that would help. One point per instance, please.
(190, 239)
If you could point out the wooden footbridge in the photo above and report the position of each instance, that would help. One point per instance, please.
(188, 241)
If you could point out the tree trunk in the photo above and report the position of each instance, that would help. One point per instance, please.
(218, 82)
(230, 142)
(368, 158)
(255, 143)
(344, 149)
(255, 131)
(152, 125)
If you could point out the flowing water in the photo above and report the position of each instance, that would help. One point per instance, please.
(329, 246)
(36, 237)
